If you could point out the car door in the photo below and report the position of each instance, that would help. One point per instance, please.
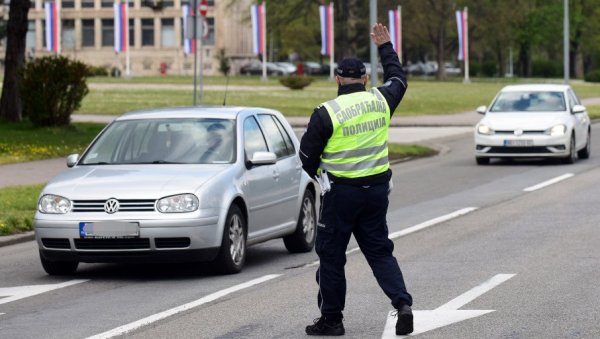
(259, 182)
(288, 167)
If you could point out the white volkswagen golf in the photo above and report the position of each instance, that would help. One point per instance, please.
(533, 121)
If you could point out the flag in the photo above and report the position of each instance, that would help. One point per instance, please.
(52, 26)
(395, 30)
(121, 26)
(463, 36)
(326, 13)
(189, 45)
(257, 12)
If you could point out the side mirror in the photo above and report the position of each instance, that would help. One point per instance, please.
(263, 158)
(578, 109)
(481, 109)
(72, 160)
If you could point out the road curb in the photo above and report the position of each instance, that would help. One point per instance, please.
(7, 240)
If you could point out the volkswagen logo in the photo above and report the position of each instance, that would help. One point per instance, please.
(518, 132)
(111, 205)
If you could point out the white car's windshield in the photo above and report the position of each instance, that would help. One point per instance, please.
(529, 102)
(164, 141)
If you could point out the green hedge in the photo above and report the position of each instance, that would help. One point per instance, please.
(295, 82)
(593, 76)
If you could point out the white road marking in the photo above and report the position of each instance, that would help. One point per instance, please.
(548, 182)
(165, 314)
(413, 229)
(448, 313)
(9, 294)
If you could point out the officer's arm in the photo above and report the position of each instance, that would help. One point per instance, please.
(395, 83)
(318, 132)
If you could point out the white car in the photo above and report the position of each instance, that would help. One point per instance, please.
(179, 185)
(533, 121)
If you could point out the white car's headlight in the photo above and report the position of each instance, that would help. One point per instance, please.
(557, 130)
(178, 203)
(54, 204)
(484, 129)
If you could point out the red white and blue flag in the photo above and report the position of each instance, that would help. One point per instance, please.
(52, 26)
(189, 45)
(257, 13)
(463, 36)
(121, 27)
(395, 30)
(326, 13)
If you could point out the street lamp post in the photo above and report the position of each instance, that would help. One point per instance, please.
(566, 42)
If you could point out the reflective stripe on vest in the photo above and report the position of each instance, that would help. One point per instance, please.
(358, 145)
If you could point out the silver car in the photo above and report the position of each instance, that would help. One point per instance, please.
(176, 185)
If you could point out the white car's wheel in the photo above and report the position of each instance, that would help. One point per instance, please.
(232, 254)
(572, 157)
(482, 160)
(303, 239)
(58, 267)
(587, 150)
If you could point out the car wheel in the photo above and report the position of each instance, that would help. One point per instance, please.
(572, 157)
(586, 151)
(58, 267)
(303, 239)
(232, 253)
(482, 160)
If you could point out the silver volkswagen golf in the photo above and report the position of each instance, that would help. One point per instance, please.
(176, 185)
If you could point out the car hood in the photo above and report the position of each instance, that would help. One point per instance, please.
(131, 181)
(537, 121)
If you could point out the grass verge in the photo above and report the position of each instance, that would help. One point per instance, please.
(24, 142)
(17, 208)
(18, 204)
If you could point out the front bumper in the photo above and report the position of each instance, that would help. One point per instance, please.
(497, 146)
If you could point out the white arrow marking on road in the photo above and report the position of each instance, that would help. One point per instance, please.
(448, 313)
(8, 294)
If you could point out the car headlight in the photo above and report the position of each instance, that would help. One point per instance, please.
(54, 204)
(557, 130)
(180, 203)
(484, 129)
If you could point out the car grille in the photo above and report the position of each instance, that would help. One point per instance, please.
(519, 150)
(172, 242)
(524, 132)
(56, 243)
(124, 205)
(112, 244)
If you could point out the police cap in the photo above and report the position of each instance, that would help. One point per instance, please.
(351, 68)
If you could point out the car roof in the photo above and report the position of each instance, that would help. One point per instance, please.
(223, 112)
(535, 87)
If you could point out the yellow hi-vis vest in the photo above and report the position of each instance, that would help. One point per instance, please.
(358, 146)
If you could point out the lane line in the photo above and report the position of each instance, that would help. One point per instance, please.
(548, 182)
(10, 294)
(475, 292)
(413, 229)
(185, 307)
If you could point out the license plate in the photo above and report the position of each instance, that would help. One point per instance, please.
(518, 142)
(109, 229)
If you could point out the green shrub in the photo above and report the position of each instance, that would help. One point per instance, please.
(97, 71)
(295, 82)
(52, 88)
(593, 76)
(546, 69)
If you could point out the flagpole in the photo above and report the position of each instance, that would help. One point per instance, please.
(399, 38)
(263, 40)
(466, 45)
(195, 47)
(127, 60)
(58, 27)
(332, 41)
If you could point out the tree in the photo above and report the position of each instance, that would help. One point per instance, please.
(10, 104)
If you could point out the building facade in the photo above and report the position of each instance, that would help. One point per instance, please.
(155, 35)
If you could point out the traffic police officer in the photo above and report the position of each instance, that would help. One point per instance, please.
(347, 138)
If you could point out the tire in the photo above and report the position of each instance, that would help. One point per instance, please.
(303, 238)
(482, 160)
(572, 157)
(232, 254)
(587, 150)
(58, 267)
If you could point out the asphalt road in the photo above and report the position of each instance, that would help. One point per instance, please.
(467, 237)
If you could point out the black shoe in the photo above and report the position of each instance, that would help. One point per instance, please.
(324, 326)
(404, 324)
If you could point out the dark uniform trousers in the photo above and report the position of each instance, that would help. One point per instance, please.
(347, 209)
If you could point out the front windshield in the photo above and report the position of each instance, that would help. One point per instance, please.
(164, 141)
(527, 101)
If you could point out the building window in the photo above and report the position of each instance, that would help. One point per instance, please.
(87, 3)
(168, 3)
(67, 4)
(88, 38)
(131, 32)
(106, 3)
(210, 39)
(211, 2)
(108, 32)
(30, 37)
(147, 32)
(167, 34)
(67, 34)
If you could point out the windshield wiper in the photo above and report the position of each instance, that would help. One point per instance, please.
(166, 162)
(96, 163)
